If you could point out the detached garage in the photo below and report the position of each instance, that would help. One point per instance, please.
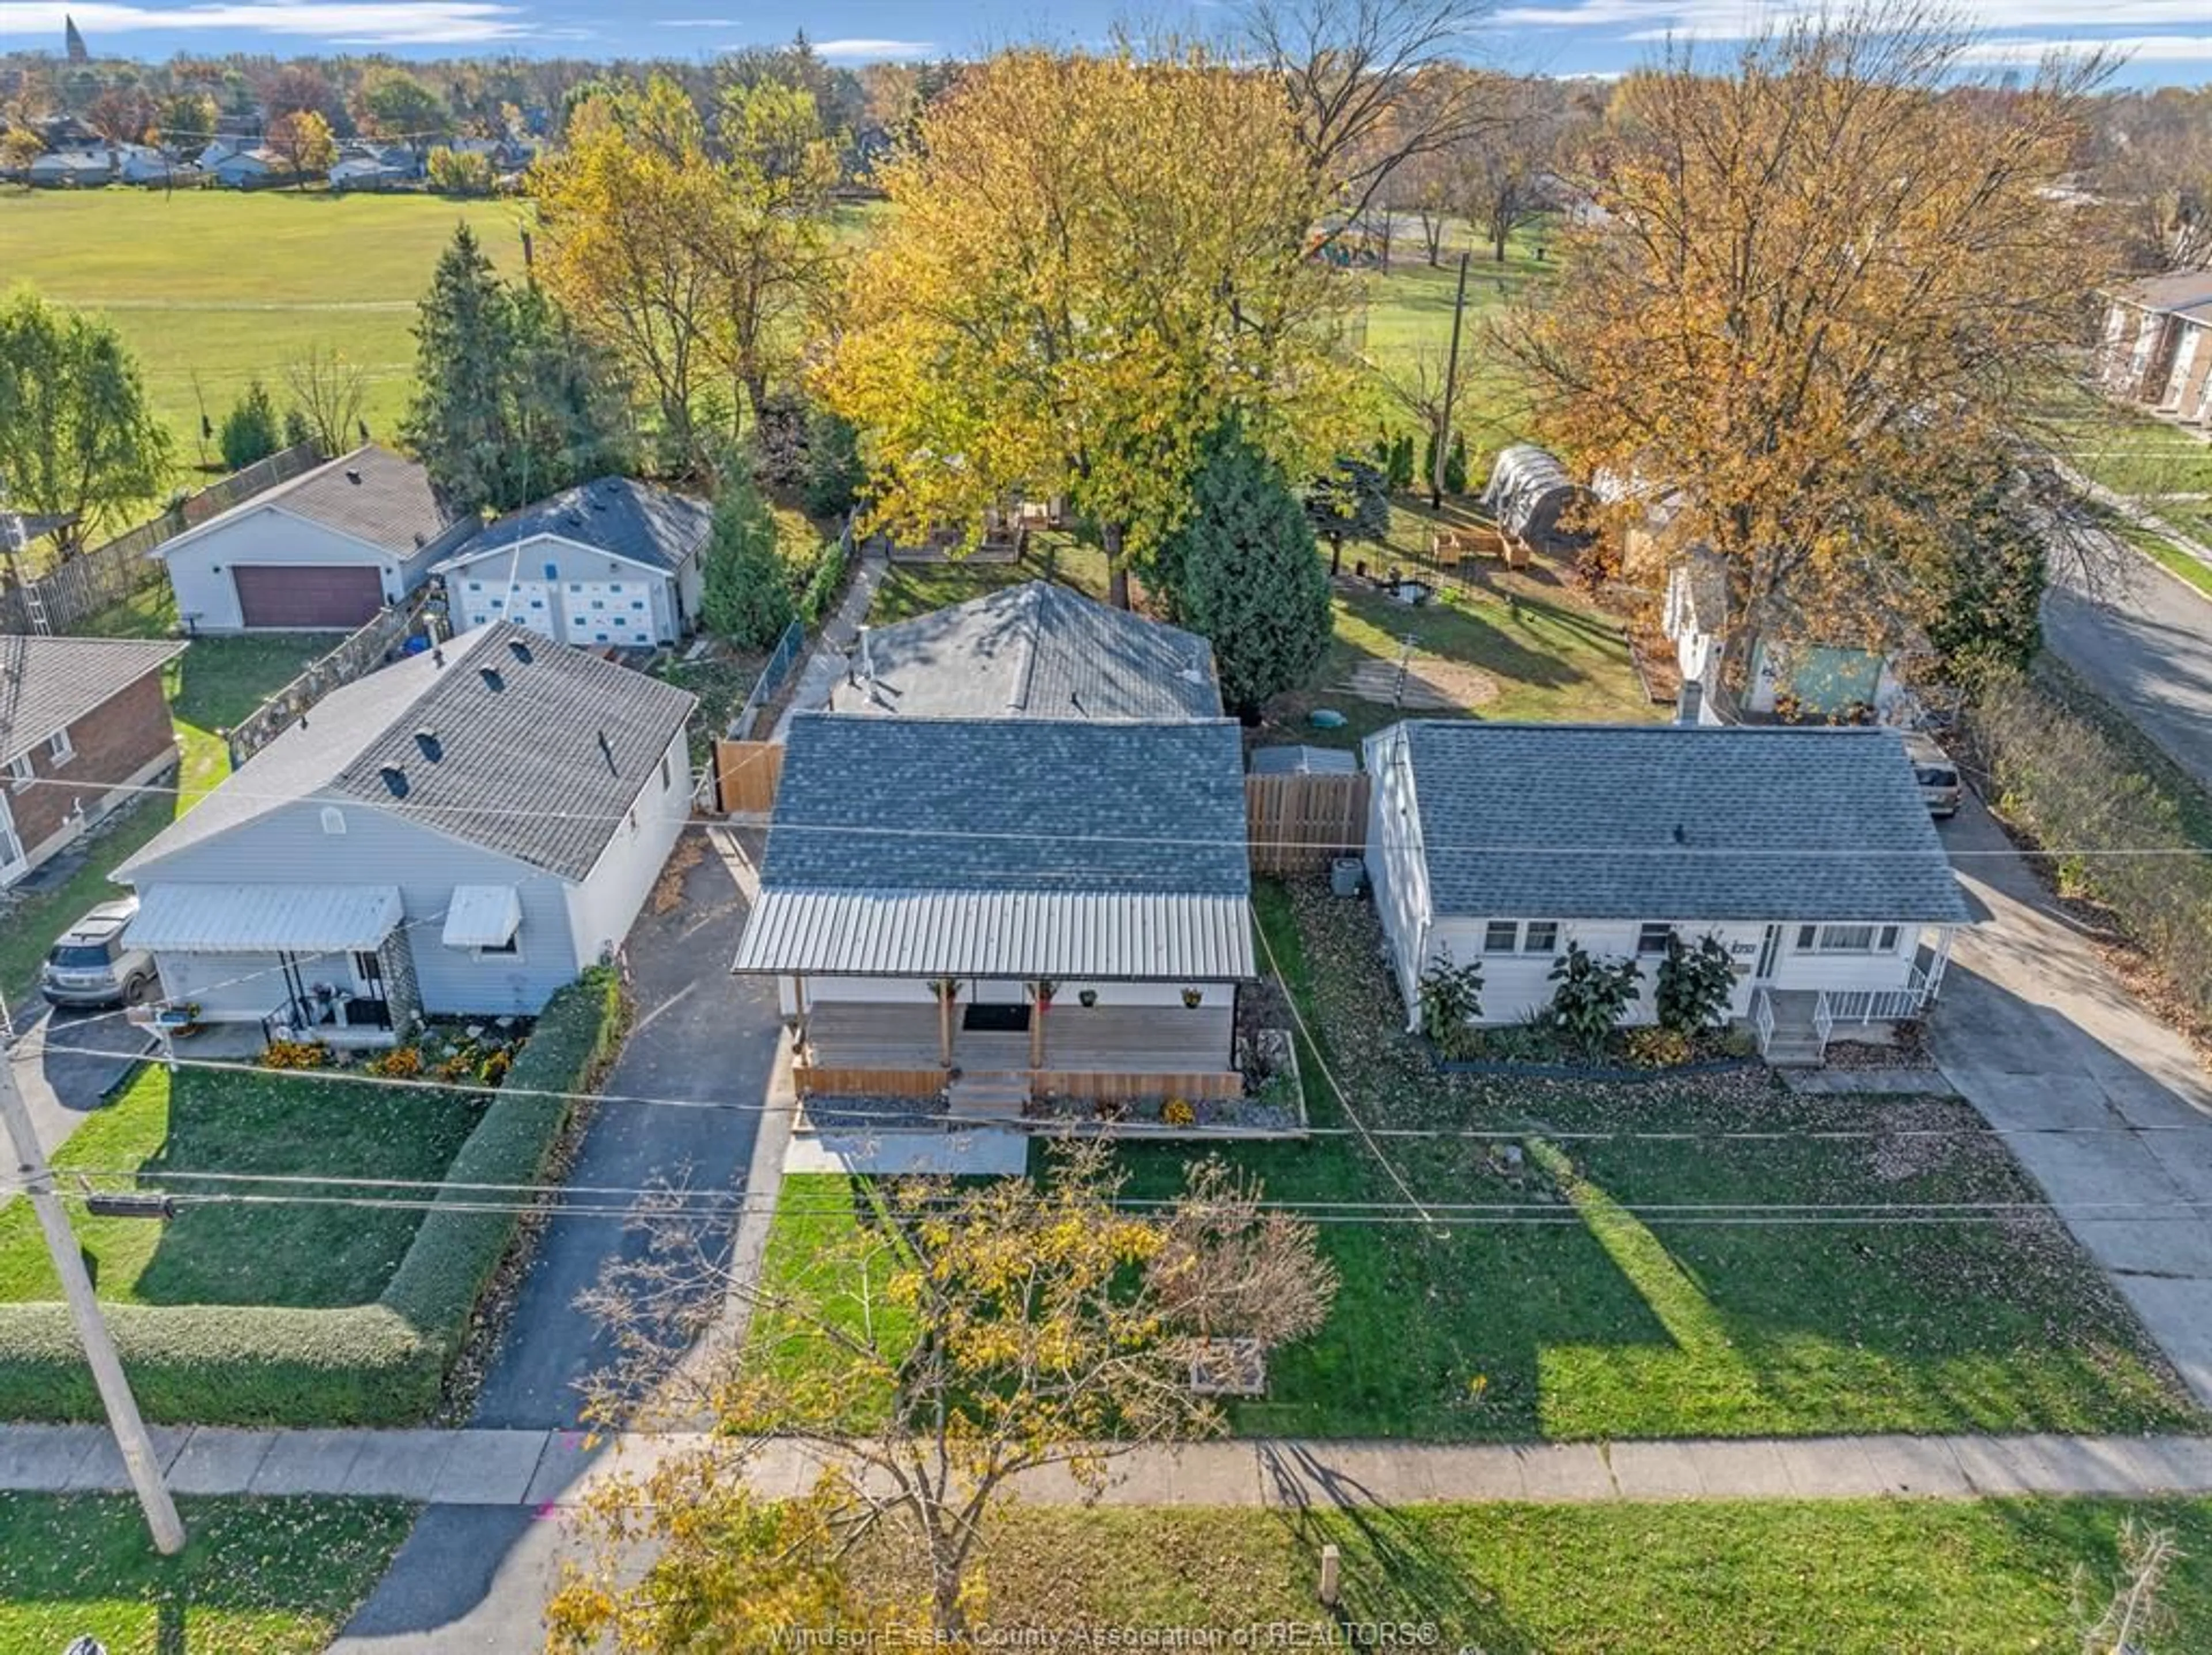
(614, 562)
(322, 553)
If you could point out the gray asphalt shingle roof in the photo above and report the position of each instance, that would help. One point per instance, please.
(1038, 651)
(1580, 822)
(635, 520)
(1009, 804)
(47, 685)
(500, 746)
(371, 494)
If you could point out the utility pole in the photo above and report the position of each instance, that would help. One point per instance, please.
(1452, 393)
(84, 1310)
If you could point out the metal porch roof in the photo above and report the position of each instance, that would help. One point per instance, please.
(264, 919)
(1002, 934)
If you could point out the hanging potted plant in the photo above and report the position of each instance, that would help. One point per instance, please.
(1194, 998)
(1088, 996)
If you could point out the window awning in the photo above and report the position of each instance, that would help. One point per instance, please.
(482, 917)
(264, 919)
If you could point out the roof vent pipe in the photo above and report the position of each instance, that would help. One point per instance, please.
(867, 659)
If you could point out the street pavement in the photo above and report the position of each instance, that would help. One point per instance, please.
(2036, 1032)
(2142, 638)
(473, 1580)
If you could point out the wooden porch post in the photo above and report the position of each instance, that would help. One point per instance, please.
(943, 1025)
(1038, 1003)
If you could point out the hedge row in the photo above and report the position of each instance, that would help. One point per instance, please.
(2070, 784)
(368, 1365)
(826, 584)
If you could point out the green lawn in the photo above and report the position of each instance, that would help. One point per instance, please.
(260, 1577)
(289, 1253)
(212, 686)
(1620, 1326)
(1846, 1577)
(211, 287)
(911, 589)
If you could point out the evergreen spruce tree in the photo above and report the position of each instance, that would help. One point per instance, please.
(465, 355)
(573, 415)
(1247, 575)
(747, 595)
(249, 429)
(1456, 465)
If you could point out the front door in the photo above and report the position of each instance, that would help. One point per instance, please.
(1770, 949)
(13, 860)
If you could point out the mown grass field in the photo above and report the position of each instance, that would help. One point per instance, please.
(1844, 1577)
(274, 1126)
(260, 1577)
(211, 287)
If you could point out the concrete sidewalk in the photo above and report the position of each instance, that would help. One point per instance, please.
(546, 1470)
(825, 664)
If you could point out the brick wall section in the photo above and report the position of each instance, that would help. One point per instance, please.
(113, 742)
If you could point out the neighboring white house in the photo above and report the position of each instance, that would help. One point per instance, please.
(322, 552)
(460, 833)
(2157, 350)
(367, 172)
(1808, 852)
(73, 169)
(610, 562)
(245, 169)
(991, 908)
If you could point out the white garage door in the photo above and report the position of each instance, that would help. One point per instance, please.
(529, 604)
(608, 611)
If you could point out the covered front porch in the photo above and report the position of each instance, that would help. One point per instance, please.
(326, 962)
(990, 1054)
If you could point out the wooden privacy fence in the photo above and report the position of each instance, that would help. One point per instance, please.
(1297, 825)
(746, 775)
(73, 592)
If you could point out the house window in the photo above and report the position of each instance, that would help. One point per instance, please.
(1652, 939)
(1499, 936)
(1847, 939)
(58, 748)
(19, 769)
(509, 949)
(333, 820)
(1542, 937)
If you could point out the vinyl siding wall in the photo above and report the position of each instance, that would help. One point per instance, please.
(289, 847)
(207, 597)
(530, 560)
(1394, 867)
(1517, 983)
(602, 908)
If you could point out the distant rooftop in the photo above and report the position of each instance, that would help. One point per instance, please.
(371, 494)
(640, 522)
(1037, 651)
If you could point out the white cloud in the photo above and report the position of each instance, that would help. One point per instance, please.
(348, 22)
(868, 51)
(2142, 49)
(696, 23)
(1736, 19)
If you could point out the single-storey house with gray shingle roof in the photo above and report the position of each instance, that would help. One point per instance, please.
(1808, 852)
(995, 908)
(461, 833)
(2157, 347)
(611, 562)
(1036, 650)
(322, 553)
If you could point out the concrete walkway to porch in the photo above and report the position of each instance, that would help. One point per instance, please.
(547, 1470)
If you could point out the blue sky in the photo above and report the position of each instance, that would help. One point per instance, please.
(2168, 40)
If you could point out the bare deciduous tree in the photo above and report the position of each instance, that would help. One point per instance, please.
(948, 1342)
(1370, 82)
(331, 392)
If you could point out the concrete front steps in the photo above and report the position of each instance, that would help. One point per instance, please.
(988, 1095)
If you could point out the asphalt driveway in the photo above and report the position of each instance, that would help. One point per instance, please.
(478, 1581)
(2038, 1033)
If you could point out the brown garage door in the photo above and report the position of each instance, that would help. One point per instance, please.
(306, 595)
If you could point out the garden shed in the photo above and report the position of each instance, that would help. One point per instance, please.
(1529, 493)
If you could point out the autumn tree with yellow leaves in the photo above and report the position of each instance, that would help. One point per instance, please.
(949, 1342)
(1829, 290)
(1089, 263)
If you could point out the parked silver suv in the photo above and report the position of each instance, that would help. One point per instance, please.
(1937, 776)
(90, 965)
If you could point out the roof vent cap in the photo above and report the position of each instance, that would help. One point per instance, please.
(353, 476)
(427, 739)
(519, 649)
(1681, 834)
(492, 678)
(395, 779)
